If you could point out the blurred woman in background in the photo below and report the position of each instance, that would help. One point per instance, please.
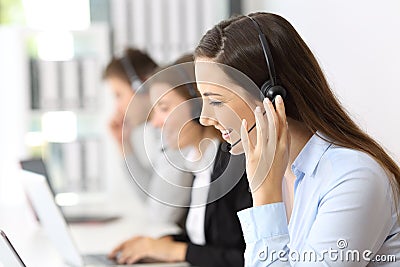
(139, 142)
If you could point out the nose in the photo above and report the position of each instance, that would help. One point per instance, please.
(205, 121)
(120, 107)
(156, 120)
(207, 117)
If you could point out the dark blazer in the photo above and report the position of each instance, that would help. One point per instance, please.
(224, 237)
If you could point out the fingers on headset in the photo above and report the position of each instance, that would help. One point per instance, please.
(261, 126)
(280, 108)
(272, 117)
(244, 135)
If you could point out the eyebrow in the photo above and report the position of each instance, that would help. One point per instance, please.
(162, 102)
(209, 93)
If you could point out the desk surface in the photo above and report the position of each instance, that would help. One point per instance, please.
(36, 250)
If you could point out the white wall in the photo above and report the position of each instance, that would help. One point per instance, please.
(173, 27)
(358, 45)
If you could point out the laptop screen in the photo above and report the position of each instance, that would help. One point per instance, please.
(38, 166)
(50, 216)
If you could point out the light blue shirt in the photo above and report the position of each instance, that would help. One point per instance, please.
(343, 214)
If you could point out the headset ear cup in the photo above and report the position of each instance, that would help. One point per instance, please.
(274, 91)
(265, 88)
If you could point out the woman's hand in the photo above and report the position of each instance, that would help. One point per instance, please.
(267, 160)
(145, 248)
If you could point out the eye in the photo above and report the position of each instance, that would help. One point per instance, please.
(163, 108)
(216, 103)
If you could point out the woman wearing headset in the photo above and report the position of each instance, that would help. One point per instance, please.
(213, 237)
(322, 188)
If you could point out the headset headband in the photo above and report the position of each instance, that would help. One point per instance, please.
(130, 71)
(267, 52)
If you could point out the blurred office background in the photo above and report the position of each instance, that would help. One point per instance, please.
(54, 104)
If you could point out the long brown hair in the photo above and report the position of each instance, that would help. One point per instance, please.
(234, 42)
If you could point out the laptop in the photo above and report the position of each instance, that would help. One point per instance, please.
(37, 165)
(57, 229)
(8, 255)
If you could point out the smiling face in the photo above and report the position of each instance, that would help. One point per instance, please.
(225, 105)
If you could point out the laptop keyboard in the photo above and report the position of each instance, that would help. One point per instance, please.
(98, 259)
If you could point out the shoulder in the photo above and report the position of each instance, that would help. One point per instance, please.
(341, 167)
(350, 159)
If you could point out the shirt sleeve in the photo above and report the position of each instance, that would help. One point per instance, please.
(163, 187)
(139, 173)
(138, 163)
(354, 217)
(265, 229)
(169, 192)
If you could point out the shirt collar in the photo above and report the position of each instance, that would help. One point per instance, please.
(309, 157)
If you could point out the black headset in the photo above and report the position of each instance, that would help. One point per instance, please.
(270, 88)
(130, 71)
